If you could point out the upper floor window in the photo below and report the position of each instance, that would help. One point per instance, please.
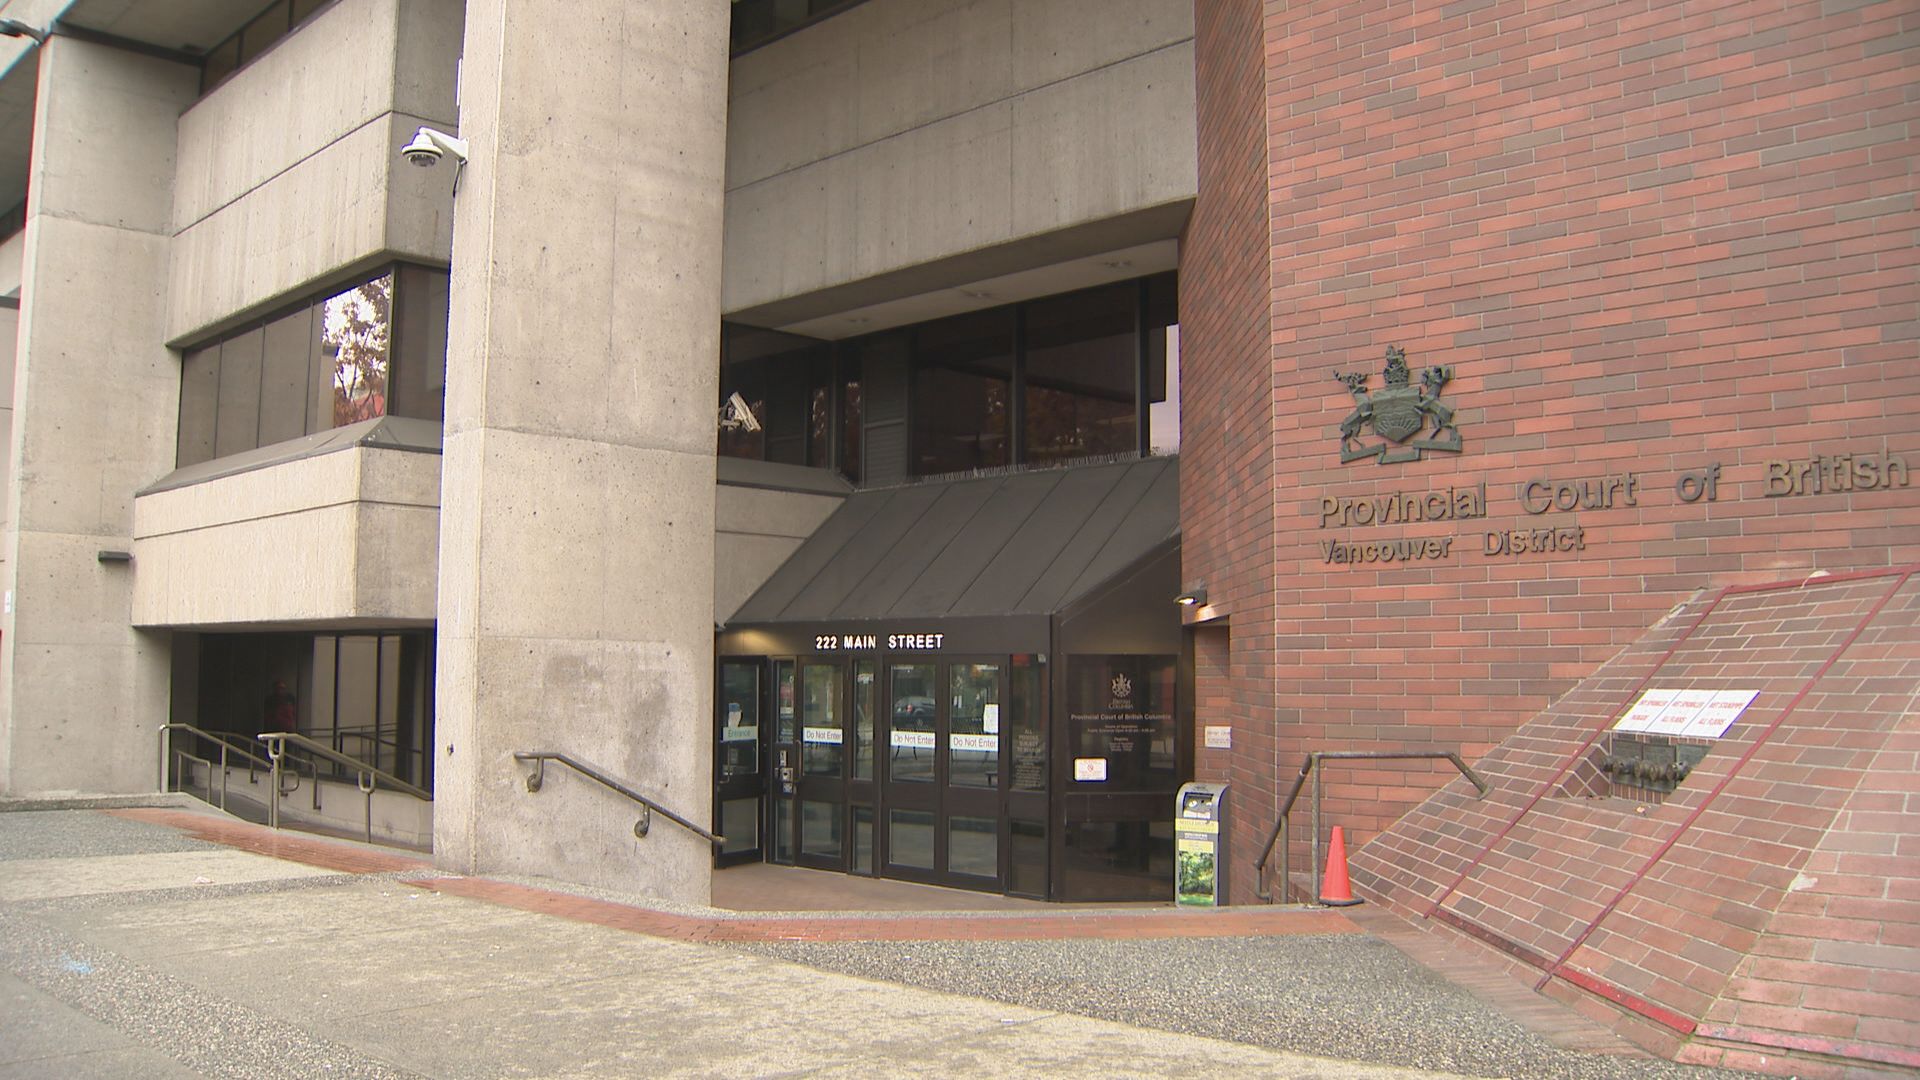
(1085, 374)
(757, 22)
(275, 21)
(374, 349)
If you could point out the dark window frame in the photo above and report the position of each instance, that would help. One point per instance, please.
(399, 357)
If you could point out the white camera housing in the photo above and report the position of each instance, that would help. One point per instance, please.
(429, 146)
(736, 413)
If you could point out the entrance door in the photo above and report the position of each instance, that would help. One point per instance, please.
(942, 778)
(739, 783)
(821, 813)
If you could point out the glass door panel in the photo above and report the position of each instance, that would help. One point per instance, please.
(739, 785)
(970, 798)
(823, 761)
(820, 732)
(973, 726)
(786, 762)
(912, 739)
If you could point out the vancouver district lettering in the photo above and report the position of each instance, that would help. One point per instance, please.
(1340, 551)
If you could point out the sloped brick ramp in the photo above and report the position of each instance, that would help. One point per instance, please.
(1766, 915)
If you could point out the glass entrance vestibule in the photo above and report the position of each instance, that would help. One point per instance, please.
(968, 756)
(975, 683)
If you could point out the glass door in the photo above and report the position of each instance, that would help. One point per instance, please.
(941, 778)
(970, 805)
(822, 795)
(740, 786)
(785, 767)
(909, 796)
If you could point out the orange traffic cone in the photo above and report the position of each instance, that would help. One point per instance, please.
(1334, 889)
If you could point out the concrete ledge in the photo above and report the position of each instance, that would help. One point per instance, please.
(102, 802)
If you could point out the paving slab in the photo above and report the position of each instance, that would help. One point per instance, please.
(298, 957)
(42, 879)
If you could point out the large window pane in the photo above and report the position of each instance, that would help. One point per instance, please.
(1080, 364)
(1121, 711)
(851, 420)
(263, 31)
(199, 402)
(962, 393)
(355, 329)
(910, 745)
(1162, 323)
(237, 424)
(290, 342)
(420, 343)
(1026, 722)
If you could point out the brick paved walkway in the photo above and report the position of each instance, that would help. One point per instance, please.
(1058, 923)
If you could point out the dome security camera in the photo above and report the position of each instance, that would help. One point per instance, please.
(429, 146)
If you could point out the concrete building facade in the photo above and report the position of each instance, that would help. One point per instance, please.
(1490, 337)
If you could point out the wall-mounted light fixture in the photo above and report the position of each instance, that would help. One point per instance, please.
(115, 556)
(1192, 598)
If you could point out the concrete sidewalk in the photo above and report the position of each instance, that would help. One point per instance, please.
(134, 948)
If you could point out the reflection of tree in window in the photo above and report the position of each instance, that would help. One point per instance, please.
(355, 333)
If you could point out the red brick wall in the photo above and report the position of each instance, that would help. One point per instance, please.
(1226, 469)
(1771, 899)
(1648, 240)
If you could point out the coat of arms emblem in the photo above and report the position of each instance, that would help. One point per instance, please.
(1398, 412)
(1122, 686)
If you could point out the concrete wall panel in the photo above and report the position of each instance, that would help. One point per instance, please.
(345, 537)
(1061, 38)
(98, 437)
(577, 513)
(755, 530)
(79, 689)
(290, 173)
(1077, 157)
(291, 102)
(900, 134)
(275, 242)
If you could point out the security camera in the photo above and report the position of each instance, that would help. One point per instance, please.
(429, 146)
(736, 413)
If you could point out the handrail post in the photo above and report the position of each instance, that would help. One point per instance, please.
(274, 752)
(1286, 857)
(165, 739)
(367, 782)
(1313, 849)
(223, 776)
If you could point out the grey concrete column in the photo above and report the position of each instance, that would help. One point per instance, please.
(576, 539)
(95, 398)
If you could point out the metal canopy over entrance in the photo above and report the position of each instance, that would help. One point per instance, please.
(972, 683)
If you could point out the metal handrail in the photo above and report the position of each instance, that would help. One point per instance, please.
(366, 777)
(647, 806)
(222, 739)
(1310, 767)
